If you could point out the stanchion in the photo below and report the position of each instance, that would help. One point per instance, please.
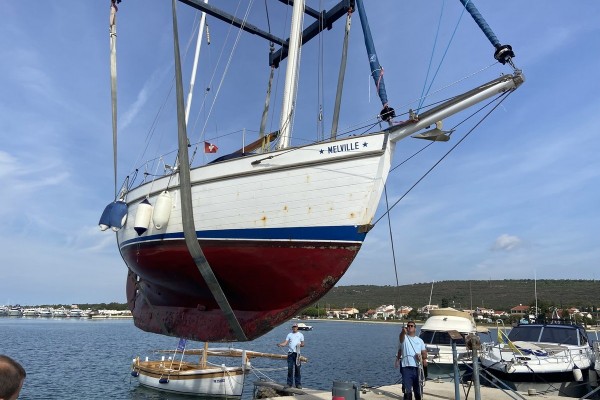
(456, 374)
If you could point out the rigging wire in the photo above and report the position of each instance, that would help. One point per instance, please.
(154, 125)
(392, 244)
(226, 69)
(437, 33)
(445, 52)
(500, 99)
(268, 18)
(202, 111)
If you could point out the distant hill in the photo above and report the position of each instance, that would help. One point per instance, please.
(497, 294)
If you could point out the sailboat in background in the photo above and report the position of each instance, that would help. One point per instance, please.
(228, 250)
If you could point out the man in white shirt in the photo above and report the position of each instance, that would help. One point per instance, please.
(413, 353)
(293, 341)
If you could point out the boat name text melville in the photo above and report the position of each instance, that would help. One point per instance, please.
(340, 148)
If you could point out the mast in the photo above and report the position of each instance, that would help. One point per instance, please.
(431, 294)
(291, 75)
(195, 67)
(535, 290)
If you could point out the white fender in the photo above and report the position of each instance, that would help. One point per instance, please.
(162, 210)
(577, 375)
(143, 215)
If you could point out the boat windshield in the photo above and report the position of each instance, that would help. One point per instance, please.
(525, 333)
(443, 338)
(560, 336)
(544, 334)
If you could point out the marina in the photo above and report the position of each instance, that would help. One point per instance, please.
(61, 312)
(336, 352)
(228, 249)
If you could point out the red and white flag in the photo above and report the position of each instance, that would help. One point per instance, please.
(210, 148)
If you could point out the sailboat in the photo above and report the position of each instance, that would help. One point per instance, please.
(177, 371)
(228, 250)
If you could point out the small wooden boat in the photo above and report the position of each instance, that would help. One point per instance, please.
(171, 373)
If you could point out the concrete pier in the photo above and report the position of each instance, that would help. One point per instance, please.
(433, 390)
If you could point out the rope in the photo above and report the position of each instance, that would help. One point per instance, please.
(113, 82)
(392, 243)
(298, 361)
(421, 378)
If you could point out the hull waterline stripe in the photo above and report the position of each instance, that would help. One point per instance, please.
(347, 234)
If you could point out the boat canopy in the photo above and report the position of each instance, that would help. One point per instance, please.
(446, 319)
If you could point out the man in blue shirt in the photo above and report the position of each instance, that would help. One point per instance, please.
(293, 341)
(412, 354)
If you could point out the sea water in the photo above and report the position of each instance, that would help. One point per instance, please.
(73, 358)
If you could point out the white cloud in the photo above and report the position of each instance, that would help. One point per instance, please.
(507, 243)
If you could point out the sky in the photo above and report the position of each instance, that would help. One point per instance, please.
(517, 199)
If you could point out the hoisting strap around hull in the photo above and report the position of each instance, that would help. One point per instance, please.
(187, 216)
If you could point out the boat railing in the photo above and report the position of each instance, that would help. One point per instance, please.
(562, 355)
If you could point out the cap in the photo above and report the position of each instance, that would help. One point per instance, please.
(294, 325)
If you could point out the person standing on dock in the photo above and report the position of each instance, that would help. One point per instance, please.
(293, 341)
(12, 376)
(413, 359)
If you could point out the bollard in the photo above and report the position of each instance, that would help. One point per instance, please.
(345, 391)
(475, 345)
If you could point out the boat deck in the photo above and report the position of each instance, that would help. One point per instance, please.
(433, 390)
